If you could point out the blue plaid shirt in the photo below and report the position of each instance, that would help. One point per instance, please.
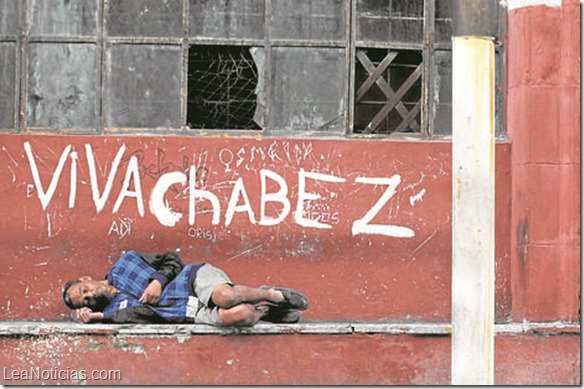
(130, 275)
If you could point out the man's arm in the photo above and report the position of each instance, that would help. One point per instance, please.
(151, 294)
(86, 315)
(166, 264)
(134, 315)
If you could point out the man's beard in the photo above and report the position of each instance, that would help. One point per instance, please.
(99, 302)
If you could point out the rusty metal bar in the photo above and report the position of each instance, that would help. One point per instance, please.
(184, 83)
(428, 76)
(351, 52)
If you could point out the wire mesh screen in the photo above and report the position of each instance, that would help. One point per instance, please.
(222, 83)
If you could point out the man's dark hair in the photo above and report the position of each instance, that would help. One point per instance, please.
(66, 297)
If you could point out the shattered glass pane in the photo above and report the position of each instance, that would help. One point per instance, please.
(222, 88)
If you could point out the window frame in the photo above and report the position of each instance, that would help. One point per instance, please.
(103, 42)
(16, 40)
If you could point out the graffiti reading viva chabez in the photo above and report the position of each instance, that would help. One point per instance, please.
(238, 200)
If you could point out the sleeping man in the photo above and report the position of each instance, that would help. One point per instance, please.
(159, 288)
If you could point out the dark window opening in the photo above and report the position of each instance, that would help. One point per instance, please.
(222, 82)
(388, 91)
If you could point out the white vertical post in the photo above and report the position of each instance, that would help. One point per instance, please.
(473, 210)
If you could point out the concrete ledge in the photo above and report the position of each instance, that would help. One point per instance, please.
(548, 328)
(39, 328)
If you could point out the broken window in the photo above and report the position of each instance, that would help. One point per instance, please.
(290, 78)
(283, 67)
(303, 50)
(226, 88)
(222, 87)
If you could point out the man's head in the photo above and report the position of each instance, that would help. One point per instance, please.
(86, 292)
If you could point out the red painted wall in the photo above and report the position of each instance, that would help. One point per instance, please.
(378, 359)
(347, 275)
(395, 266)
(544, 127)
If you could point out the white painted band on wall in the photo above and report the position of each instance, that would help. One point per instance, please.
(516, 4)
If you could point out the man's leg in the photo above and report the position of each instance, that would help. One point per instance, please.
(227, 296)
(213, 287)
(237, 305)
(240, 305)
(242, 315)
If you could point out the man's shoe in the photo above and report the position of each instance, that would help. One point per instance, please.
(281, 315)
(293, 299)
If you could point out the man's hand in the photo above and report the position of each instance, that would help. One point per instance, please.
(152, 293)
(86, 315)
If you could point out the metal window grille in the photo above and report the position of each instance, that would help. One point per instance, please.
(388, 89)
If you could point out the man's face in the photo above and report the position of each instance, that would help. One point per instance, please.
(89, 293)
